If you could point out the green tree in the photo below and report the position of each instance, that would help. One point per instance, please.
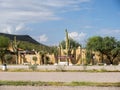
(108, 46)
(34, 66)
(27, 46)
(72, 43)
(4, 43)
(69, 44)
(55, 50)
(34, 59)
(94, 43)
(88, 57)
(111, 48)
(8, 57)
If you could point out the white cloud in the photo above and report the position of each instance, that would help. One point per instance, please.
(34, 10)
(6, 28)
(14, 12)
(9, 28)
(43, 38)
(110, 32)
(19, 27)
(80, 37)
(88, 27)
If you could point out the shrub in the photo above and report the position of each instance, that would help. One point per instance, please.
(33, 67)
(34, 59)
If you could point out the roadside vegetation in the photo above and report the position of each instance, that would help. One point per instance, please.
(39, 83)
(34, 69)
(107, 47)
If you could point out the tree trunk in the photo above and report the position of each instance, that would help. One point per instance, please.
(111, 60)
(102, 58)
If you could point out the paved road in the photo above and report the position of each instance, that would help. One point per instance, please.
(56, 88)
(61, 76)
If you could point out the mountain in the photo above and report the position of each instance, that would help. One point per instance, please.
(26, 38)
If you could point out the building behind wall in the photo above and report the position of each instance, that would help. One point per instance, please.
(77, 57)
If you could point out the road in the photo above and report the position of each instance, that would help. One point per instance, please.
(56, 88)
(61, 76)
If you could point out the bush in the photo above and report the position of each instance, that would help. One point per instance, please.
(34, 59)
(61, 68)
(33, 67)
(8, 57)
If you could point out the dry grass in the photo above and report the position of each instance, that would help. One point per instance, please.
(39, 83)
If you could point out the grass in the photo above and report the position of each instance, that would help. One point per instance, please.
(101, 84)
(57, 70)
(39, 83)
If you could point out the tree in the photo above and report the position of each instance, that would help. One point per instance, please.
(55, 50)
(34, 59)
(107, 46)
(4, 43)
(34, 66)
(72, 43)
(8, 57)
(69, 44)
(94, 44)
(111, 48)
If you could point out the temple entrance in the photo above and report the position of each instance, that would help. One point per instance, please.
(64, 60)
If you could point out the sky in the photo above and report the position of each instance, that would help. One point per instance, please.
(46, 20)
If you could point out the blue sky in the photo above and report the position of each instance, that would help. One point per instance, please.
(46, 20)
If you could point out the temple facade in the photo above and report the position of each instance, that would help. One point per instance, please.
(77, 57)
(67, 56)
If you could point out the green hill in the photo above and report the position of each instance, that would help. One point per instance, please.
(26, 38)
(27, 42)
